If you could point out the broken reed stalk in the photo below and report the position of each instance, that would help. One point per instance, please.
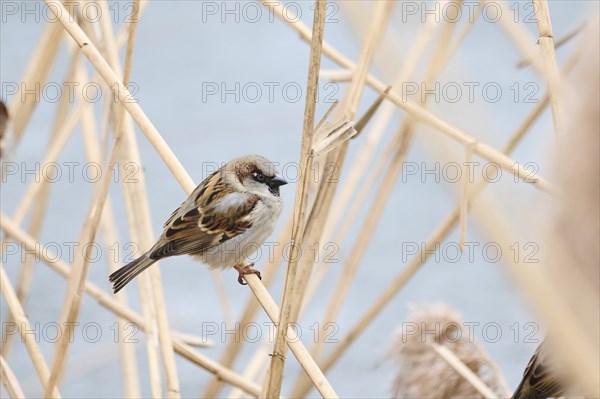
(349, 105)
(401, 142)
(107, 301)
(546, 42)
(439, 234)
(557, 43)
(414, 54)
(10, 381)
(485, 151)
(359, 167)
(381, 11)
(23, 325)
(520, 37)
(275, 376)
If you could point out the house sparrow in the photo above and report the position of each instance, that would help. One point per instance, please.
(223, 221)
(541, 378)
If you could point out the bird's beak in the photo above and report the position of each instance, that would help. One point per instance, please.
(277, 181)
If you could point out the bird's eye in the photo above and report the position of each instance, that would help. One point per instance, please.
(259, 177)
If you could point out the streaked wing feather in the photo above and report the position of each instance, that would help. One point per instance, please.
(205, 221)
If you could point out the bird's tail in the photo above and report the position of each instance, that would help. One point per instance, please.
(127, 273)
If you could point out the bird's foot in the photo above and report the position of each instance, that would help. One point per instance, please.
(243, 270)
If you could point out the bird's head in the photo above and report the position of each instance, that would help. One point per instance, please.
(257, 175)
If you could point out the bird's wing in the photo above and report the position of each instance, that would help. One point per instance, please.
(540, 378)
(213, 214)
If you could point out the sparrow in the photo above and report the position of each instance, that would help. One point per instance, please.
(541, 379)
(223, 221)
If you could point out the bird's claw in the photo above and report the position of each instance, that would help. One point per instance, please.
(242, 271)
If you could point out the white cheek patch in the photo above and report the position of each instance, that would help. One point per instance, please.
(230, 201)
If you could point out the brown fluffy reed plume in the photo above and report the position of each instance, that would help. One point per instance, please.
(436, 358)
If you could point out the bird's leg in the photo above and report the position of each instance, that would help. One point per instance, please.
(243, 270)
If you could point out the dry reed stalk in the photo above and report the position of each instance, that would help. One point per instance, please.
(139, 220)
(360, 164)
(535, 284)
(346, 278)
(546, 42)
(107, 301)
(359, 167)
(39, 207)
(442, 231)
(577, 226)
(502, 384)
(193, 340)
(404, 137)
(51, 155)
(564, 39)
(78, 276)
(10, 381)
(35, 76)
(308, 364)
(123, 95)
(570, 232)
(222, 297)
(110, 234)
(134, 221)
(275, 376)
(464, 195)
(336, 75)
(23, 325)
(485, 151)
(256, 367)
(463, 370)
(349, 104)
(325, 192)
(520, 37)
(336, 134)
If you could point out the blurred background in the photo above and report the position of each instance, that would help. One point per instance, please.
(223, 79)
